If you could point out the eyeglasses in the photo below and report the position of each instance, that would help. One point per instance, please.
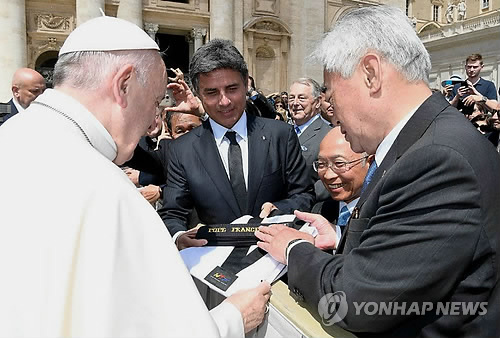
(336, 166)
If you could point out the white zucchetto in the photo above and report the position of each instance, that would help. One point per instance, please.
(105, 34)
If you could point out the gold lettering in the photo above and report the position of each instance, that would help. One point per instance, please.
(217, 230)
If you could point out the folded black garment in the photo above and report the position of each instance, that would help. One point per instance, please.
(228, 234)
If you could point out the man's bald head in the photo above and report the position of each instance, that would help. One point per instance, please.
(27, 84)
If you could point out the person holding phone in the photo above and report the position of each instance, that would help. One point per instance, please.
(473, 67)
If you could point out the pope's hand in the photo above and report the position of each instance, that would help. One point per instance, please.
(252, 304)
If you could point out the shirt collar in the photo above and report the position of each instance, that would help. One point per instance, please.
(387, 142)
(19, 108)
(307, 124)
(99, 137)
(239, 127)
(350, 205)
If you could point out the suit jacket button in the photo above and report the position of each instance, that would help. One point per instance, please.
(297, 295)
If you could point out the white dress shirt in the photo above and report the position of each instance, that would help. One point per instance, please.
(222, 142)
(303, 127)
(386, 144)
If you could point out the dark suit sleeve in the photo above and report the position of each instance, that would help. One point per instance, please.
(177, 201)
(405, 250)
(300, 188)
(147, 161)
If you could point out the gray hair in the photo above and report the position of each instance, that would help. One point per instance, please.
(315, 86)
(216, 54)
(381, 29)
(87, 70)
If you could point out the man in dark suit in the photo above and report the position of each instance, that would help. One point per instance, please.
(235, 163)
(342, 172)
(27, 84)
(304, 104)
(425, 233)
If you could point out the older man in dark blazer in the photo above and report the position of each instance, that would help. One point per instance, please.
(424, 237)
(235, 163)
(304, 104)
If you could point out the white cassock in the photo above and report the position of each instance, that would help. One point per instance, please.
(82, 253)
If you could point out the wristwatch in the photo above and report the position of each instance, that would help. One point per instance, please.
(483, 99)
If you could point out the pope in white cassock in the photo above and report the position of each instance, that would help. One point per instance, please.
(82, 253)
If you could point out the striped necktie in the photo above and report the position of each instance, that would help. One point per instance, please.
(343, 217)
(369, 175)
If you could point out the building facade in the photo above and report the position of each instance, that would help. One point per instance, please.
(455, 29)
(275, 36)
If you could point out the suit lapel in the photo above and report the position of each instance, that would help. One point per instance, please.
(411, 133)
(258, 146)
(209, 158)
(310, 131)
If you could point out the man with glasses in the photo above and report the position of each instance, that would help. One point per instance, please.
(342, 172)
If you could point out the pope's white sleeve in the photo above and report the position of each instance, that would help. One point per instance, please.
(228, 320)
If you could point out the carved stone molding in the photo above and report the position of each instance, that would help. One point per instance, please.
(264, 52)
(266, 7)
(151, 29)
(37, 47)
(268, 26)
(53, 23)
(199, 33)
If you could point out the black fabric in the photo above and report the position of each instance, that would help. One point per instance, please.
(236, 176)
(233, 262)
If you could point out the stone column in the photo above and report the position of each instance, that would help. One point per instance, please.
(13, 42)
(222, 19)
(88, 9)
(198, 34)
(130, 10)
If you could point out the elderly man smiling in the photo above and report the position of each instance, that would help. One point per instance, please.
(342, 172)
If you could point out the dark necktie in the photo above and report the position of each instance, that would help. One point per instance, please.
(297, 130)
(344, 216)
(236, 176)
(369, 175)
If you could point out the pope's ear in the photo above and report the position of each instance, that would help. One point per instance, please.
(121, 82)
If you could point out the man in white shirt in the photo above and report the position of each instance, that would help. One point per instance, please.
(27, 84)
(423, 236)
(90, 257)
(235, 163)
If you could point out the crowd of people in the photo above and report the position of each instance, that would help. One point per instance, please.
(398, 179)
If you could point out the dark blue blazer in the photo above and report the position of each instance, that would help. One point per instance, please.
(13, 111)
(197, 179)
